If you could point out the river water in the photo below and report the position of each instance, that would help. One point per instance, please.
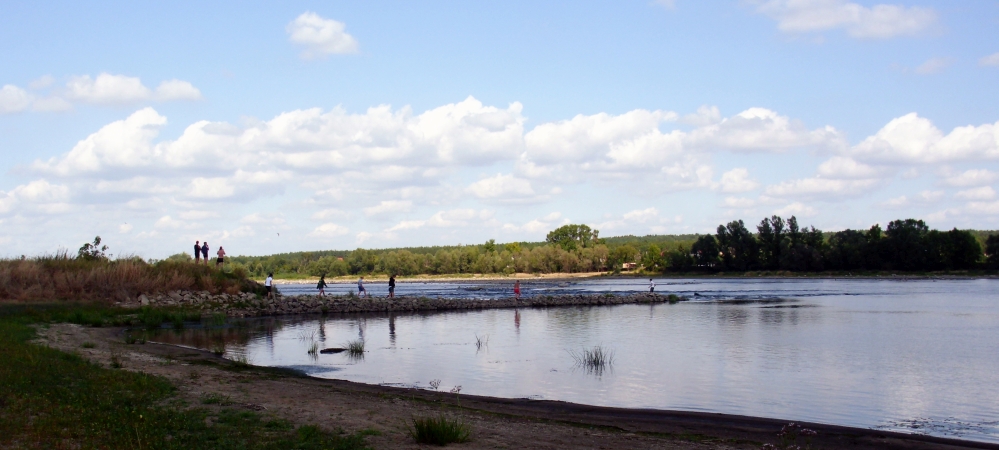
(919, 356)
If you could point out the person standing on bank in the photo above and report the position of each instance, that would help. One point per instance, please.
(516, 290)
(652, 286)
(392, 286)
(204, 252)
(360, 287)
(221, 259)
(268, 283)
(197, 252)
(322, 284)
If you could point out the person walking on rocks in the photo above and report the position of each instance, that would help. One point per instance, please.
(392, 286)
(268, 283)
(322, 285)
(197, 252)
(652, 286)
(516, 290)
(360, 287)
(204, 252)
(221, 257)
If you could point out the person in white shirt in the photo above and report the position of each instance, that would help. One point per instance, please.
(360, 287)
(267, 284)
(652, 285)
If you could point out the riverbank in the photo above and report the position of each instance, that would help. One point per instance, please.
(382, 412)
(377, 278)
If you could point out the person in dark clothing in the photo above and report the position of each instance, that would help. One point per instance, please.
(204, 252)
(392, 286)
(197, 252)
(321, 285)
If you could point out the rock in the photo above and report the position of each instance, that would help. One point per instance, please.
(143, 300)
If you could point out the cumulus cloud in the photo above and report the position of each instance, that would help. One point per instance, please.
(448, 219)
(796, 209)
(762, 130)
(821, 188)
(329, 230)
(177, 90)
(876, 22)
(388, 208)
(737, 180)
(972, 177)
(121, 89)
(320, 37)
(843, 167)
(505, 189)
(911, 139)
(41, 82)
(51, 104)
(14, 99)
(989, 61)
(535, 226)
(981, 193)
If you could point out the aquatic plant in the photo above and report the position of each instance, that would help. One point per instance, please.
(434, 384)
(481, 341)
(241, 360)
(672, 299)
(593, 360)
(218, 347)
(439, 430)
(314, 348)
(308, 335)
(355, 348)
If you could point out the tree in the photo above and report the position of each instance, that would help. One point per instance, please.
(738, 246)
(93, 252)
(771, 234)
(992, 250)
(705, 252)
(847, 250)
(623, 254)
(905, 244)
(570, 237)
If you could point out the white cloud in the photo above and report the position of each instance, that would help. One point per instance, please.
(739, 203)
(989, 61)
(14, 99)
(737, 180)
(320, 37)
(328, 230)
(122, 89)
(796, 209)
(125, 228)
(842, 167)
(177, 90)
(448, 219)
(505, 189)
(41, 82)
(51, 104)
(389, 207)
(934, 65)
(107, 88)
(911, 139)
(876, 22)
(896, 203)
(981, 193)
(820, 188)
(972, 177)
(762, 130)
(329, 213)
(705, 115)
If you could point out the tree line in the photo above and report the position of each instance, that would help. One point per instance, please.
(776, 245)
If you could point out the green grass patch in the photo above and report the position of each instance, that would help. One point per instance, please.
(439, 430)
(53, 399)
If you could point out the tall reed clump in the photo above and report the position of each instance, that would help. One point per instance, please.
(76, 278)
(596, 359)
(355, 348)
(439, 430)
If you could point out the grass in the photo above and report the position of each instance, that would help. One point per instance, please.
(88, 345)
(439, 430)
(355, 347)
(53, 399)
(481, 342)
(216, 399)
(594, 360)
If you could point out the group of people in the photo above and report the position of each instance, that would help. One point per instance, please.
(361, 292)
(201, 254)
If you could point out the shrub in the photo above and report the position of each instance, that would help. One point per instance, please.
(439, 430)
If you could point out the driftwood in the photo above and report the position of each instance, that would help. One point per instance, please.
(327, 351)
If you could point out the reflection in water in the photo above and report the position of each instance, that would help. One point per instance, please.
(866, 353)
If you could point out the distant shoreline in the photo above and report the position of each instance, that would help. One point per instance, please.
(570, 276)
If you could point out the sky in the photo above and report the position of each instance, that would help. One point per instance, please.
(271, 127)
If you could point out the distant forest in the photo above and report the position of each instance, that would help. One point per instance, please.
(776, 245)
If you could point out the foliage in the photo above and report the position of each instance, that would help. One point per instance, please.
(93, 251)
(439, 430)
(571, 237)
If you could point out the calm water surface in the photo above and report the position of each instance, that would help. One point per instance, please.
(916, 356)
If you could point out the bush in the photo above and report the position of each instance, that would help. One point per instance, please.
(439, 430)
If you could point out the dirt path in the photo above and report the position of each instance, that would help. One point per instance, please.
(496, 423)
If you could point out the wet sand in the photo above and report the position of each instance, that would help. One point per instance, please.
(495, 422)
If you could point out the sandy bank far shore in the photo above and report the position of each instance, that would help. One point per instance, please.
(495, 422)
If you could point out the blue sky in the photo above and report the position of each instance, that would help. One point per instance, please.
(383, 124)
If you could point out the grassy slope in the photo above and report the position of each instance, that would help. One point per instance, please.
(52, 399)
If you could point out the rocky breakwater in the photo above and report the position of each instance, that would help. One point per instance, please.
(249, 305)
